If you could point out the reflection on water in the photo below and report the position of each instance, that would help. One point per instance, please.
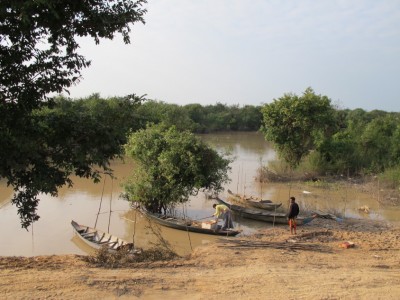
(82, 246)
(144, 233)
(53, 233)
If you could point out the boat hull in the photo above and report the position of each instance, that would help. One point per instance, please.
(263, 205)
(97, 239)
(187, 225)
(259, 214)
(255, 202)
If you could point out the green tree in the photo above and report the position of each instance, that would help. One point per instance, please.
(38, 56)
(364, 142)
(175, 115)
(171, 166)
(395, 146)
(376, 141)
(340, 154)
(297, 125)
(199, 119)
(197, 114)
(170, 114)
(251, 118)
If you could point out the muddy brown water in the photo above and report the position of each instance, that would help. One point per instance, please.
(53, 233)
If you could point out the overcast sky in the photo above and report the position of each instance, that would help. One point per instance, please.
(251, 52)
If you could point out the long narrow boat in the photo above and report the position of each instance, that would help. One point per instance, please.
(264, 205)
(97, 239)
(187, 225)
(255, 202)
(262, 215)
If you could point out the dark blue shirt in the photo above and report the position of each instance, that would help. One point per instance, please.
(293, 210)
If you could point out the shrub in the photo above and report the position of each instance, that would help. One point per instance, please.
(390, 178)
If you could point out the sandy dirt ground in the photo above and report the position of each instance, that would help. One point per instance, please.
(271, 264)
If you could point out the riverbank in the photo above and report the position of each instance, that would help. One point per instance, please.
(269, 264)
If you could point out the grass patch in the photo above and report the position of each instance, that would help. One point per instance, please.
(390, 178)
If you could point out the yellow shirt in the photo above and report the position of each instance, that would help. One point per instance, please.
(220, 209)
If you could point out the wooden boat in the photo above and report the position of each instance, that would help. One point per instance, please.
(98, 239)
(255, 202)
(187, 225)
(262, 215)
(261, 204)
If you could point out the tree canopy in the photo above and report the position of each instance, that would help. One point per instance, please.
(171, 166)
(295, 124)
(203, 119)
(330, 140)
(41, 145)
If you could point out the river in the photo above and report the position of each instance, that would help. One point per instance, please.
(90, 204)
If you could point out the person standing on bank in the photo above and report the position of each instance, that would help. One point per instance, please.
(292, 215)
(223, 212)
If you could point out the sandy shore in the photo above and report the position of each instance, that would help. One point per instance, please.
(271, 264)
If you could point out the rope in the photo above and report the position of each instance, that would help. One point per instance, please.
(290, 185)
(106, 212)
(187, 229)
(273, 222)
(5, 204)
(237, 185)
(203, 218)
(109, 216)
(134, 228)
(101, 200)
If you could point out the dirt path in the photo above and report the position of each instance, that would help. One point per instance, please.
(318, 269)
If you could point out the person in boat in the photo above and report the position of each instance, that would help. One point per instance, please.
(292, 214)
(223, 212)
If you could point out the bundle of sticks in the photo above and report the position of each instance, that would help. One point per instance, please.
(246, 244)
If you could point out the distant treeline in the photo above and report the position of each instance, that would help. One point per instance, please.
(202, 119)
(362, 141)
(137, 112)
